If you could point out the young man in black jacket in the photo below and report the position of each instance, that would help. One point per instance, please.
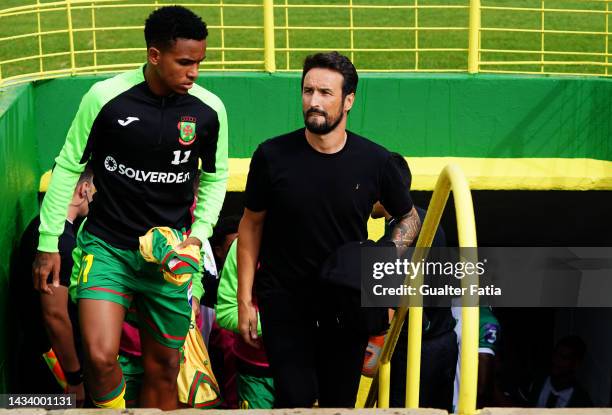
(144, 132)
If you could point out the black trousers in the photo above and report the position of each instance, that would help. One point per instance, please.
(312, 356)
(438, 364)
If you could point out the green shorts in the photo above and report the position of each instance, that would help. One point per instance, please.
(255, 392)
(133, 372)
(119, 275)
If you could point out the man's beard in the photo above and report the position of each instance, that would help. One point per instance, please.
(324, 127)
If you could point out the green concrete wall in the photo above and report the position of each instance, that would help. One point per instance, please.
(418, 115)
(18, 185)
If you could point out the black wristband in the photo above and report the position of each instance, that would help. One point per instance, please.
(74, 378)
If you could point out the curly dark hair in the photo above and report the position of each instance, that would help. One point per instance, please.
(335, 62)
(167, 24)
(226, 225)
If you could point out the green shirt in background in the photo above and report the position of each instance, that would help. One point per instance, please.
(227, 301)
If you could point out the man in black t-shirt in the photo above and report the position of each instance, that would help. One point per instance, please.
(308, 193)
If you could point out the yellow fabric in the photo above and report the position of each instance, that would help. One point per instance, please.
(197, 386)
(146, 246)
(45, 179)
(146, 242)
(172, 239)
(115, 403)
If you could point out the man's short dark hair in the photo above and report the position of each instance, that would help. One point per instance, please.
(167, 24)
(226, 226)
(87, 175)
(335, 62)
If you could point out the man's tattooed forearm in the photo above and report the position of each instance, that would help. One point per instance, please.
(406, 230)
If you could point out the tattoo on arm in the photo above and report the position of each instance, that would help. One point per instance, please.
(406, 230)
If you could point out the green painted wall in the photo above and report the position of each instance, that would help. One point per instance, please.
(419, 115)
(19, 173)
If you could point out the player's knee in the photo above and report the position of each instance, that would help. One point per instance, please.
(164, 367)
(55, 319)
(101, 363)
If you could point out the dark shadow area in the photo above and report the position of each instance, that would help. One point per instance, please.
(524, 219)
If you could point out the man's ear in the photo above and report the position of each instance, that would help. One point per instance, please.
(153, 55)
(88, 188)
(82, 190)
(348, 101)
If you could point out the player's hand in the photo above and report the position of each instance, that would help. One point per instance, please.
(189, 241)
(79, 391)
(195, 305)
(46, 263)
(247, 323)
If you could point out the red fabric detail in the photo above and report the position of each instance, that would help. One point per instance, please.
(165, 335)
(194, 388)
(108, 290)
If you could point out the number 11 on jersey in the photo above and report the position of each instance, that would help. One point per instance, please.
(177, 157)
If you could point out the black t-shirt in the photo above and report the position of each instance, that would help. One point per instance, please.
(316, 202)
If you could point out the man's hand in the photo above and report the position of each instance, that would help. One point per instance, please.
(189, 241)
(195, 305)
(46, 263)
(247, 323)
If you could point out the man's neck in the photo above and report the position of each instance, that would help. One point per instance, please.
(154, 82)
(73, 212)
(329, 143)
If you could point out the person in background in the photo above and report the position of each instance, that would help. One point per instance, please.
(223, 340)
(488, 342)
(255, 385)
(61, 345)
(224, 234)
(560, 388)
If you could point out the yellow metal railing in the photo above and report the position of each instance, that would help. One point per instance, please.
(564, 37)
(451, 179)
(50, 38)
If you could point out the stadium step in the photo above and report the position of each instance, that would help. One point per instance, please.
(314, 411)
